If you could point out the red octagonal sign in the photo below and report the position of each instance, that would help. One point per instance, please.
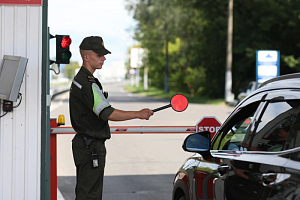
(210, 124)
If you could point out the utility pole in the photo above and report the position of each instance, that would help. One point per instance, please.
(166, 67)
(229, 97)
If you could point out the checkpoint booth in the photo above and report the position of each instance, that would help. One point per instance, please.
(24, 157)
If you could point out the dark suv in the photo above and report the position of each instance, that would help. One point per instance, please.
(254, 155)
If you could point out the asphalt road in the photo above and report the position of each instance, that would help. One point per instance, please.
(137, 166)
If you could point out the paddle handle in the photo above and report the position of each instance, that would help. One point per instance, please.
(161, 108)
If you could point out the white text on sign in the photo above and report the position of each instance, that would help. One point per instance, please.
(211, 129)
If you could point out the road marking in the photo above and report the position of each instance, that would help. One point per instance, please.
(53, 107)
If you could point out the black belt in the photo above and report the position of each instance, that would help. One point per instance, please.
(85, 136)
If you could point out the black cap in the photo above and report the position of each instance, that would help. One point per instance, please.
(94, 43)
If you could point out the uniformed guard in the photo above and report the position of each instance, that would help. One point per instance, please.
(89, 114)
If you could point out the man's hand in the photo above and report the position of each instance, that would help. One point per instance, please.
(145, 113)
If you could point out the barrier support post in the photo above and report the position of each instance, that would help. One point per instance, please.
(53, 162)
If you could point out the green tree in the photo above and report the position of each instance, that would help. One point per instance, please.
(257, 25)
(196, 32)
(158, 23)
(70, 69)
(265, 25)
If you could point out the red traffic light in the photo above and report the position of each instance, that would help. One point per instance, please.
(65, 42)
(63, 53)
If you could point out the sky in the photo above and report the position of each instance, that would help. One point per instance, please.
(81, 18)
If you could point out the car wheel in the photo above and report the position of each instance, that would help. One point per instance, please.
(182, 198)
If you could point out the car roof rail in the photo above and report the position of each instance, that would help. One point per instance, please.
(282, 77)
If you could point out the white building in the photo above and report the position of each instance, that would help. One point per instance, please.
(116, 70)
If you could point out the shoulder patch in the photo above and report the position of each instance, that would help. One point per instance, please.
(91, 79)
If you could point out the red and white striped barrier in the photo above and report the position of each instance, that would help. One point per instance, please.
(133, 129)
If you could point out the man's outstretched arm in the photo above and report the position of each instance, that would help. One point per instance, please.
(120, 115)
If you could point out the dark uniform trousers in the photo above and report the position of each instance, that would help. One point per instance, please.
(89, 179)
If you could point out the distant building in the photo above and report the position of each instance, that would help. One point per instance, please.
(116, 70)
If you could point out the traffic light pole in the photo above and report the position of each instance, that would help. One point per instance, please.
(45, 111)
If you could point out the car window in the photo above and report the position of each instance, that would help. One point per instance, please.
(232, 134)
(294, 136)
(275, 126)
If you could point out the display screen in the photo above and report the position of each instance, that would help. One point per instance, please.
(12, 71)
(7, 76)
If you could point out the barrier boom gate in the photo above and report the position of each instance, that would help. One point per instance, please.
(54, 130)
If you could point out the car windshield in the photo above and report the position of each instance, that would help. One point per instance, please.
(233, 133)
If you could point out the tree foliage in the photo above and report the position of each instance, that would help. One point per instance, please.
(69, 70)
(196, 31)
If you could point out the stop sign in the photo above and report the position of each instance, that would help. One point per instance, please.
(210, 124)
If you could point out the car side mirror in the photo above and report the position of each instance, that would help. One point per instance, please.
(198, 143)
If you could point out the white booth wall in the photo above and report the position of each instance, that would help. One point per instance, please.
(20, 130)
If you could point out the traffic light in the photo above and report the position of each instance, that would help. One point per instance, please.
(63, 53)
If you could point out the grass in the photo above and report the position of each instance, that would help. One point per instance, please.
(159, 93)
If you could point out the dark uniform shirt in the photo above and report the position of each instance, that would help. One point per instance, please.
(89, 109)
